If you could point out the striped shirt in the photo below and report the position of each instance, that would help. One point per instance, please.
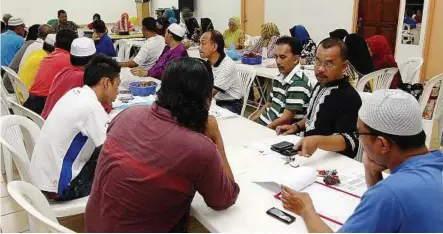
(290, 93)
(226, 80)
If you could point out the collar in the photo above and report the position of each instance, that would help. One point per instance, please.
(88, 90)
(61, 51)
(11, 32)
(414, 160)
(39, 40)
(75, 68)
(220, 60)
(343, 80)
(295, 71)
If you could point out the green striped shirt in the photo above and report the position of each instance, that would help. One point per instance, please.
(292, 93)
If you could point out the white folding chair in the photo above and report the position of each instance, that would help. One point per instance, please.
(16, 82)
(4, 93)
(18, 109)
(40, 216)
(437, 115)
(381, 79)
(4, 111)
(429, 85)
(409, 68)
(247, 75)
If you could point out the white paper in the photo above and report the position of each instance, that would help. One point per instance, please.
(221, 113)
(264, 147)
(295, 178)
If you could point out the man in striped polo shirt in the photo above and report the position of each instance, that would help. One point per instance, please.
(290, 89)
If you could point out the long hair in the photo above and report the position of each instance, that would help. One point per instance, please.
(358, 54)
(185, 91)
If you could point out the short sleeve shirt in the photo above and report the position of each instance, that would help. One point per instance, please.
(226, 80)
(150, 52)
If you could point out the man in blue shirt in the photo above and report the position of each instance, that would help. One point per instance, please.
(411, 198)
(104, 44)
(12, 40)
(409, 20)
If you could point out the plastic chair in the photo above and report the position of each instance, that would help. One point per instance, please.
(382, 79)
(40, 215)
(4, 93)
(23, 161)
(409, 68)
(21, 93)
(4, 111)
(18, 109)
(247, 75)
(429, 85)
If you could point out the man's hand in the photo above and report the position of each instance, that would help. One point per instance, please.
(297, 202)
(139, 72)
(307, 146)
(212, 130)
(286, 129)
(372, 166)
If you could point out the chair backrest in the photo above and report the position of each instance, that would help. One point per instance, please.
(247, 75)
(32, 200)
(409, 68)
(17, 84)
(406, 28)
(18, 109)
(427, 93)
(381, 79)
(12, 130)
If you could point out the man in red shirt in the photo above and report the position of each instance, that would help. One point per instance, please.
(82, 50)
(155, 159)
(49, 67)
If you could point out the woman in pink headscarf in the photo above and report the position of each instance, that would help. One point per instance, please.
(123, 25)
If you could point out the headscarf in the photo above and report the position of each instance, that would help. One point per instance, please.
(191, 25)
(32, 32)
(358, 54)
(164, 23)
(206, 25)
(339, 34)
(124, 24)
(268, 30)
(300, 33)
(170, 15)
(232, 37)
(235, 20)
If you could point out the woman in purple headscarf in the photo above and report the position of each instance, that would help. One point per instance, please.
(309, 47)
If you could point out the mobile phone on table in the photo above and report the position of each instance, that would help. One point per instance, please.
(281, 215)
(285, 148)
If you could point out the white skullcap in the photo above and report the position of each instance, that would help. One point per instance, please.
(15, 21)
(83, 47)
(392, 111)
(50, 39)
(177, 30)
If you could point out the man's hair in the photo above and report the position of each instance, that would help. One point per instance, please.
(296, 47)
(332, 42)
(48, 47)
(99, 26)
(96, 15)
(176, 38)
(403, 142)
(44, 30)
(64, 38)
(3, 26)
(61, 12)
(186, 88)
(100, 66)
(80, 61)
(33, 32)
(217, 38)
(150, 24)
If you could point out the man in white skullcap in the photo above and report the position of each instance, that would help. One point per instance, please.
(174, 49)
(12, 40)
(411, 198)
(65, 154)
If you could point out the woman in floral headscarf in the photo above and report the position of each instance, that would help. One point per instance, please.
(269, 36)
(123, 25)
(234, 35)
(309, 47)
(381, 55)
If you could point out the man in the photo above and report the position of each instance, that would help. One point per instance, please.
(332, 113)
(30, 67)
(65, 154)
(151, 49)
(49, 67)
(140, 154)
(63, 22)
(174, 50)
(43, 31)
(104, 44)
(409, 20)
(3, 27)
(30, 38)
(290, 89)
(411, 198)
(227, 85)
(12, 40)
(82, 51)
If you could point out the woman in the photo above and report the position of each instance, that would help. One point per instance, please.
(234, 35)
(123, 24)
(360, 62)
(381, 54)
(206, 25)
(269, 36)
(189, 21)
(339, 34)
(170, 15)
(309, 47)
(162, 25)
(94, 18)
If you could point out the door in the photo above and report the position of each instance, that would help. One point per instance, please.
(378, 17)
(253, 16)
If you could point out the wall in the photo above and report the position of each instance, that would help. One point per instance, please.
(318, 16)
(79, 11)
(162, 4)
(433, 63)
(219, 11)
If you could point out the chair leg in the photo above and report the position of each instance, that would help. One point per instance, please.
(7, 162)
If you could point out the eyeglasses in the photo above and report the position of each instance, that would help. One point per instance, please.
(327, 65)
(358, 134)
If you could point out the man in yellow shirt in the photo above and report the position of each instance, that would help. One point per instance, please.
(31, 65)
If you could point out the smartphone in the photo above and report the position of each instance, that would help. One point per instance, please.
(285, 148)
(281, 215)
